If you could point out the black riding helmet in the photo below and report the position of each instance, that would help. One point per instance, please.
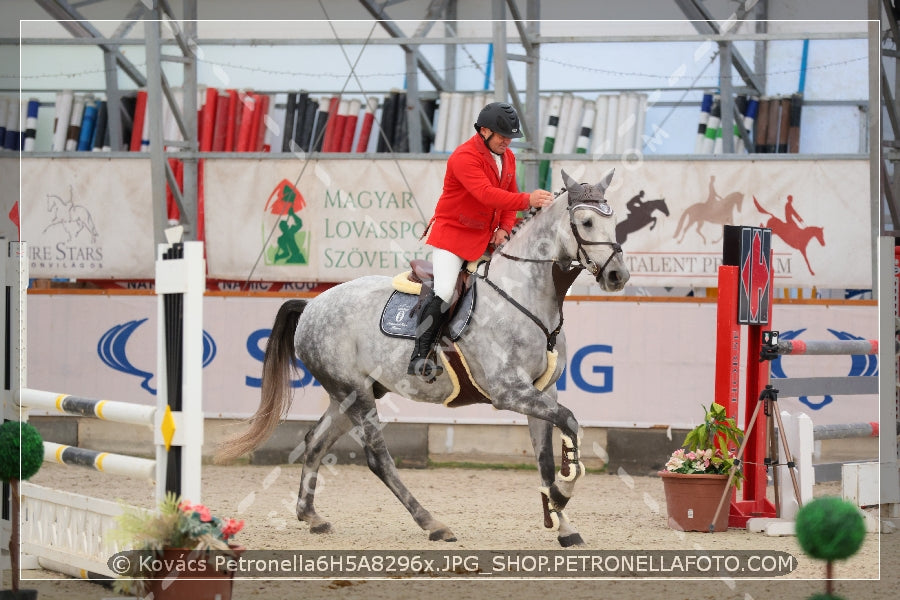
(500, 118)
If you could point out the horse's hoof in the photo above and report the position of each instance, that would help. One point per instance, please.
(324, 527)
(442, 535)
(573, 539)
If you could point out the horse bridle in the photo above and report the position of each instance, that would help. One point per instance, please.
(580, 253)
(585, 263)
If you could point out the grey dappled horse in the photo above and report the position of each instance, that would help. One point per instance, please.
(515, 351)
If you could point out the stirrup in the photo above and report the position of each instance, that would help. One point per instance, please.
(424, 367)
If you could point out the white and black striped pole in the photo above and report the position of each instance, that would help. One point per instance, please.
(749, 119)
(705, 107)
(587, 124)
(713, 126)
(30, 124)
(550, 132)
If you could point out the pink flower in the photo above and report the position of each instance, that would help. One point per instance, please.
(231, 527)
(202, 512)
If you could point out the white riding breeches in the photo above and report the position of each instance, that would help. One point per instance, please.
(446, 268)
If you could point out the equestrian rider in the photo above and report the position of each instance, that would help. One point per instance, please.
(477, 207)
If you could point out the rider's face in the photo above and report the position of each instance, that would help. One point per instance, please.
(496, 142)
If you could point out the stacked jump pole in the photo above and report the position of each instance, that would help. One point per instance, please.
(66, 531)
(745, 287)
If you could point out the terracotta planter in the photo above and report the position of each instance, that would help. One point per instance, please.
(194, 583)
(692, 499)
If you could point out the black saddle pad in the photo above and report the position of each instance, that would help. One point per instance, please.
(397, 320)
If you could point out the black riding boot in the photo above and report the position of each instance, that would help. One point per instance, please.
(431, 319)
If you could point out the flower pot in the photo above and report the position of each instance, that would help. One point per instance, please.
(692, 500)
(192, 577)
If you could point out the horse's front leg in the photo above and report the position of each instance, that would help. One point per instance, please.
(554, 496)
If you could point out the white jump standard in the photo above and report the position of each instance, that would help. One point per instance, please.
(65, 532)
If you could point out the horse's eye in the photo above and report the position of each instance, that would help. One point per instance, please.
(587, 223)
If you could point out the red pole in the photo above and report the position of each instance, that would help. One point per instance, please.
(727, 390)
(755, 452)
(728, 353)
(728, 342)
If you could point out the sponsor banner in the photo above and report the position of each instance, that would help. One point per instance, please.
(284, 220)
(88, 218)
(328, 220)
(671, 216)
(629, 364)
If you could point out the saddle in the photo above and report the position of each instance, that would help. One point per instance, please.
(399, 319)
(411, 291)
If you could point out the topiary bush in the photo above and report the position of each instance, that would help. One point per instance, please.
(21, 455)
(830, 528)
(21, 451)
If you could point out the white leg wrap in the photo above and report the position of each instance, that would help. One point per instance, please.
(576, 470)
(570, 456)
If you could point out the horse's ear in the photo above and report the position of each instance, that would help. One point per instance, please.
(571, 184)
(604, 183)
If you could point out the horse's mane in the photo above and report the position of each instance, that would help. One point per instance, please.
(528, 216)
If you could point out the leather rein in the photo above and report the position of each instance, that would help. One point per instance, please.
(582, 263)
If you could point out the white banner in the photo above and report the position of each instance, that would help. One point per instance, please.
(630, 364)
(341, 219)
(334, 220)
(88, 218)
(671, 213)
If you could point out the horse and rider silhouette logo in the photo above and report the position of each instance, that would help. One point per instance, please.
(290, 244)
(792, 229)
(720, 210)
(716, 209)
(640, 215)
(71, 219)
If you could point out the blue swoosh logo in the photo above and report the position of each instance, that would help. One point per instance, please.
(112, 351)
(860, 365)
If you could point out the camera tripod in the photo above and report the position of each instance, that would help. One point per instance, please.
(768, 400)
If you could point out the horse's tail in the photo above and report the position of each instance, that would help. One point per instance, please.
(275, 400)
(760, 208)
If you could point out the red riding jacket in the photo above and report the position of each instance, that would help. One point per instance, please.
(475, 201)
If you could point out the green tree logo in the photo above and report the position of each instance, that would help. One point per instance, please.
(286, 242)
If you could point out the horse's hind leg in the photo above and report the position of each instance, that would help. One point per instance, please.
(554, 494)
(381, 463)
(331, 426)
